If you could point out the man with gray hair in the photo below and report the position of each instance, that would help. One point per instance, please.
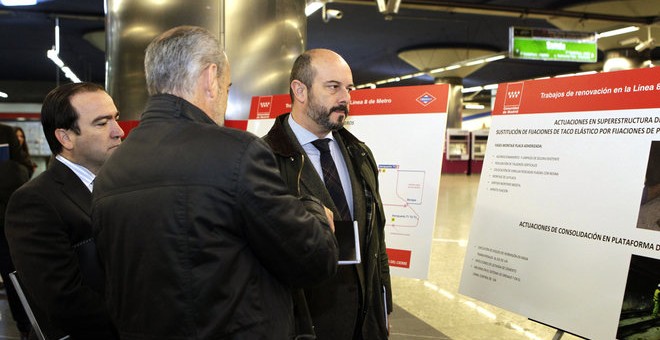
(196, 230)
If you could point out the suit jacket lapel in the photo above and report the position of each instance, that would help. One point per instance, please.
(310, 182)
(72, 187)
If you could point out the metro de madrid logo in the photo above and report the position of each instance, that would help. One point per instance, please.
(425, 99)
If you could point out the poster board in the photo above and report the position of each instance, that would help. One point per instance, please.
(565, 231)
(405, 128)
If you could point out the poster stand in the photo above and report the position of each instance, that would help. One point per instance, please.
(559, 333)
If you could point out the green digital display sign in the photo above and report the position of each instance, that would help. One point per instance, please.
(552, 45)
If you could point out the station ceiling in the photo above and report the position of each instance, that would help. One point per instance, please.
(426, 33)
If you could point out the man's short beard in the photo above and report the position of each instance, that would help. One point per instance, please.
(323, 118)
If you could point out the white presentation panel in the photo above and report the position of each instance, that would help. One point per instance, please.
(566, 229)
(404, 127)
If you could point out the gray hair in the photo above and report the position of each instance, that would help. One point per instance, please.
(174, 60)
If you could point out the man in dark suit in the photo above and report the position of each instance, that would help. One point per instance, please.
(355, 303)
(14, 172)
(48, 224)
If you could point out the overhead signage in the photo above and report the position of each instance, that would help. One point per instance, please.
(552, 45)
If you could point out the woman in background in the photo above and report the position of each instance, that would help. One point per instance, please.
(20, 135)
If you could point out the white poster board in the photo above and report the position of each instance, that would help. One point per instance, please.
(405, 128)
(565, 230)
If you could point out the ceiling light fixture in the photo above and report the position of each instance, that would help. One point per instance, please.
(327, 14)
(53, 54)
(645, 44)
(472, 89)
(388, 7)
(18, 2)
(475, 62)
(629, 41)
(495, 58)
(617, 31)
(382, 5)
(474, 106)
(313, 6)
(647, 63)
(575, 74)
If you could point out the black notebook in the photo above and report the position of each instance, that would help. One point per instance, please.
(348, 239)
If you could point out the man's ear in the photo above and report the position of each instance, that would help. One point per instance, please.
(210, 79)
(63, 137)
(299, 91)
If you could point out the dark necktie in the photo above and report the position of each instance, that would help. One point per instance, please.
(331, 179)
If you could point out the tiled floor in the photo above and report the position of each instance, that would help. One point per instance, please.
(433, 308)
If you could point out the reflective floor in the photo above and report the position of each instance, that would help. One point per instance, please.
(8, 328)
(433, 308)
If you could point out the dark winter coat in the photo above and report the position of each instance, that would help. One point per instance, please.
(336, 304)
(198, 234)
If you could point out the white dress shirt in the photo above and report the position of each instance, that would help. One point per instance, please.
(305, 138)
(86, 176)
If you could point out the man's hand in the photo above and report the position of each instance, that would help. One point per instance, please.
(330, 216)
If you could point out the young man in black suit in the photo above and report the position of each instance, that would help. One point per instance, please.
(48, 223)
